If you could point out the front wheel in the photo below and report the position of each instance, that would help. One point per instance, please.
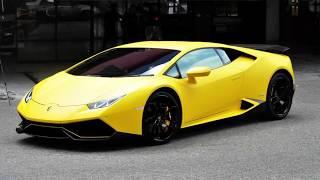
(161, 118)
(279, 96)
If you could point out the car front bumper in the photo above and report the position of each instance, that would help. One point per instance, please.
(86, 130)
(121, 119)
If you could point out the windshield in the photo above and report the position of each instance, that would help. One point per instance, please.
(125, 62)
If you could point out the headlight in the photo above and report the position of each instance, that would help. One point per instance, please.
(104, 103)
(28, 96)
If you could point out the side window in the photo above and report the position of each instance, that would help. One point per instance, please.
(202, 57)
(173, 72)
(224, 56)
(229, 55)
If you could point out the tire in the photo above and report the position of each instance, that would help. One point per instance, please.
(279, 96)
(161, 118)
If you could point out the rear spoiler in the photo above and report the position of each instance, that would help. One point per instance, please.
(266, 47)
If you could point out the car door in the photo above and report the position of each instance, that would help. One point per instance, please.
(217, 92)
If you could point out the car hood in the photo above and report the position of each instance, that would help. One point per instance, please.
(65, 89)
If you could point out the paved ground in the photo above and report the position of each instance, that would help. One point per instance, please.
(238, 149)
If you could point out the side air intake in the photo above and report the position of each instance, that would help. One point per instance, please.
(245, 105)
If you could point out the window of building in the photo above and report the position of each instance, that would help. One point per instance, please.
(177, 7)
(314, 6)
(226, 10)
(294, 7)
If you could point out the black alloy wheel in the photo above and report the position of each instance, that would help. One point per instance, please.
(161, 118)
(279, 96)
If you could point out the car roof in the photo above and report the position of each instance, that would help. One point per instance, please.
(175, 45)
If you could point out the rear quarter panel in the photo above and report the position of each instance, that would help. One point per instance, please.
(259, 74)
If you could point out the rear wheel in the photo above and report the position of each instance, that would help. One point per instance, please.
(161, 118)
(279, 96)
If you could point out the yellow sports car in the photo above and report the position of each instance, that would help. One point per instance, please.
(153, 89)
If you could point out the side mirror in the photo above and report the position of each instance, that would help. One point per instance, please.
(197, 72)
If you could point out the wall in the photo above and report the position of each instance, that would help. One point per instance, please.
(272, 20)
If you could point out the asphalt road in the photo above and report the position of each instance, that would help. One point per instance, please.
(238, 149)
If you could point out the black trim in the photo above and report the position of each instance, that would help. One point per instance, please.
(31, 77)
(277, 49)
(86, 130)
(248, 56)
(236, 53)
(245, 105)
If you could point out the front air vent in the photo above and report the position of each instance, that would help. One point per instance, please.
(91, 129)
(95, 128)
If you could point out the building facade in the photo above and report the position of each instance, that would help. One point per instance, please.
(46, 27)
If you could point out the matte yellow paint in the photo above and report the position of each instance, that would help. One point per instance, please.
(197, 72)
(63, 98)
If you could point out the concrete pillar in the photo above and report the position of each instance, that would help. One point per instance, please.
(272, 20)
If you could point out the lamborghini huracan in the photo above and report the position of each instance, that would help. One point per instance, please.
(155, 88)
